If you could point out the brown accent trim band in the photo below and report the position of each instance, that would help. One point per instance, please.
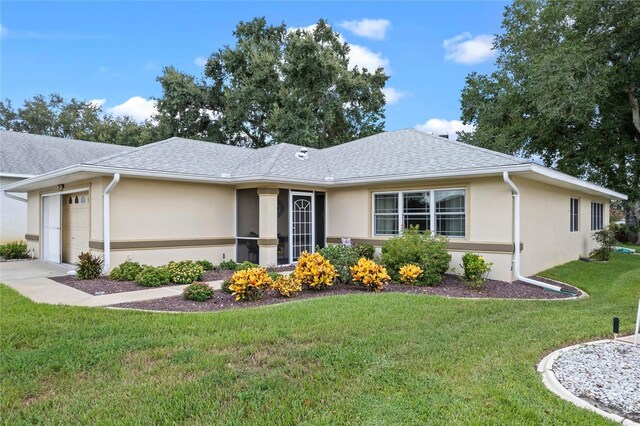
(268, 191)
(32, 237)
(268, 241)
(453, 245)
(155, 244)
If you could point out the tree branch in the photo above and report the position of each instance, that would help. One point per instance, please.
(635, 109)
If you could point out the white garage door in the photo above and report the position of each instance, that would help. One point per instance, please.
(75, 225)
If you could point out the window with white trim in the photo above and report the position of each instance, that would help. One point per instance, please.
(574, 215)
(597, 213)
(442, 211)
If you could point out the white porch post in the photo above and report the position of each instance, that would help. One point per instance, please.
(268, 240)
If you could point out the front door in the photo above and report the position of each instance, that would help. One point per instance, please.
(302, 224)
(51, 228)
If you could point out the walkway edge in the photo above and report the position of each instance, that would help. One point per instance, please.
(549, 379)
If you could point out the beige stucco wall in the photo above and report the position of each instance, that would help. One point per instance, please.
(13, 214)
(546, 235)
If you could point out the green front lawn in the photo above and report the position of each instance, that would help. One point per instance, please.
(359, 359)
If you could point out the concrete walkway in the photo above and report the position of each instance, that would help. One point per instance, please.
(31, 279)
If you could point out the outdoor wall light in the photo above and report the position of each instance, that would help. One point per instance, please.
(616, 327)
(60, 187)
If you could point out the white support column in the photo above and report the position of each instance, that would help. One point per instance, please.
(268, 240)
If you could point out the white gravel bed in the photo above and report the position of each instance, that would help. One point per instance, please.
(606, 374)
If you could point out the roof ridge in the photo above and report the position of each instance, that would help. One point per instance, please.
(64, 139)
(275, 157)
(477, 148)
(136, 149)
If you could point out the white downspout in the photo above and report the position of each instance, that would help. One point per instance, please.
(106, 225)
(516, 238)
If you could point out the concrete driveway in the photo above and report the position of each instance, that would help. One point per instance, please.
(31, 279)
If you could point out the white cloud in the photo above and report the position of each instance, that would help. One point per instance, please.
(468, 50)
(200, 61)
(440, 126)
(364, 58)
(368, 28)
(393, 96)
(98, 103)
(137, 107)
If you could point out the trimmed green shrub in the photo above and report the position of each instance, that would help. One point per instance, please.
(245, 265)
(185, 272)
(426, 250)
(199, 292)
(274, 275)
(228, 265)
(342, 258)
(475, 269)
(88, 266)
(126, 271)
(368, 251)
(225, 286)
(151, 276)
(14, 250)
(206, 265)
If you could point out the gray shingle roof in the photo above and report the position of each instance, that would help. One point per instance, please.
(24, 153)
(397, 153)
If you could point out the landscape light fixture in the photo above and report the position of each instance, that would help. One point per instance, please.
(616, 328)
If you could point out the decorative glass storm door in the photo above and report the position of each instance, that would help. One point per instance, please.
(302, 224)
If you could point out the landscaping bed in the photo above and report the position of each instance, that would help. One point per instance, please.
(451, 286)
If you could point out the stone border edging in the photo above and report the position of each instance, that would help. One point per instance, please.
(545, 368)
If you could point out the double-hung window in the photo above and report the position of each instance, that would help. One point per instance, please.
(441, 211)
(574, 215)
(597, 212)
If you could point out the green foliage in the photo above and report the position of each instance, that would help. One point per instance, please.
(151, 276)
(228, 265)
(342, 258)
(475, 269)
(88, 266)
(276, 84)
(225, 286)
(625, 234)
(368, 251)
(14, 250)
(245, 265)
(565, 89)
(126, 271)
(199, 292)
(54, 116)
(206, 265)
(606, 238)
(426, 250)
(274, 275)
(185, 272)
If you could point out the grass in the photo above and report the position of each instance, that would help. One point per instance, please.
(356, 359)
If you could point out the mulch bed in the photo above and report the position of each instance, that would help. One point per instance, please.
(103, 285)
(451, 286)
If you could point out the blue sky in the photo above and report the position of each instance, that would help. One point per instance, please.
(113, 51)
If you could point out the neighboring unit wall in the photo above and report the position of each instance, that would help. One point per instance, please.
(488, 219)
(155, 222)
(13, 214)
(546, 235)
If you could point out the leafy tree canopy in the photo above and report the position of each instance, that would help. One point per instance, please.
(54, 116)
(566, 89)
(275, 84)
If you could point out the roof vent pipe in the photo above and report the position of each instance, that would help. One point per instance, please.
(444, 135)
(303, 154)
(516, 240)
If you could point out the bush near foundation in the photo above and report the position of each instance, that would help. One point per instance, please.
(250, 284)
(206, 265)
(225, 287)
(314, 271)
(368, 251)
(185, 272)
(245, 265)
(369, 274)
(88, 266)
(410, 274)
(199, 292)
(228, 265)
(14, 250)
(342, 258)
(428, 251)
(151, 276)
(126, 271)
(606, 239)
(476, 269)
(286, 286)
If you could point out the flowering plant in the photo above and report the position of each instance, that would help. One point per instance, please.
(369, 274)
(185, 272)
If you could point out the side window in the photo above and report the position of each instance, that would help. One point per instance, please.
(575, 215)
(597, 219)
